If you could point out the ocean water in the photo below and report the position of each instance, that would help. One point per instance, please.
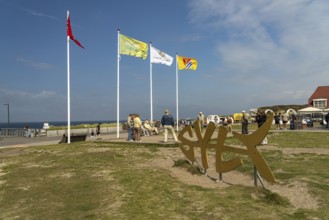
(39, 125)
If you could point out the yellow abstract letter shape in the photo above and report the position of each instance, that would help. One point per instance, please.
(224, 166)
(251, 141)
(202, 142)
(190, 152)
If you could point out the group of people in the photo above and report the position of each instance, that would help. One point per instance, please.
(278, 117)
(98, 132)
(260, 120)
(136, 127)
(226, 121)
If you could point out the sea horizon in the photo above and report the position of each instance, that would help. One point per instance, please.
(39, 125)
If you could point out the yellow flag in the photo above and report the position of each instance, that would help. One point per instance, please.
(132, 47)
(187, 63)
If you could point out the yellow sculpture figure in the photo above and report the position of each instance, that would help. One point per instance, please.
(203, 142)
(224, 166)
(249, 140)
(190, 152)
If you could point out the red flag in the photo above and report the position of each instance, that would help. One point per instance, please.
(70, 34)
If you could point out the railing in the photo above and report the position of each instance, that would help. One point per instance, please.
(12, 132)
(21, 132)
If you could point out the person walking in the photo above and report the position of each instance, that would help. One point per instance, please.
(168, 123)
(244, 121)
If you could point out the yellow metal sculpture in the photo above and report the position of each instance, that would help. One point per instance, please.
(250, 141)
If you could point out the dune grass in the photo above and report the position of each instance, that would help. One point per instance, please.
(83, 126)
(113, 181)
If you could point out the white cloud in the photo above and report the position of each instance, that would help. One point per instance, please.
(45, 94)
(35, 64)
(39, 14)
(33, 106)
(276, 46)
(19, 95)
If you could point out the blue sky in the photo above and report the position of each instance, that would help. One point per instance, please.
(250, 53)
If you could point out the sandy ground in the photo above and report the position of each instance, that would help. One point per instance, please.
(296, 192)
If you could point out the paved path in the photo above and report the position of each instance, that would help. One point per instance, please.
(106, 137)
(25, 142)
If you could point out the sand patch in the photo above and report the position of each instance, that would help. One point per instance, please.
(296, 192)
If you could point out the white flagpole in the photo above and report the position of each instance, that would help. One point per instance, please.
(177, 92)
(151, 95)
(118, 85)
(68, 89)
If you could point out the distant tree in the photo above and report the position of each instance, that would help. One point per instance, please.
(283, 108)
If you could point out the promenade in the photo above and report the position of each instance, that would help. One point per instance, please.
(12, 142)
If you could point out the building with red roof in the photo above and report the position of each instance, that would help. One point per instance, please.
(319, 99)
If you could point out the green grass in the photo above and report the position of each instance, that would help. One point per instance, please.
(116, 181)
(297, 139)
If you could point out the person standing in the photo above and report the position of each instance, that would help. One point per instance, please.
(200, 119)
(261, 119)
(277, 118)
(292, 122)
(98, 131)
(327, 120)
(168, 123)
(130, 127)
(244, 121)
(137, 127)
(229, 123)
(285, 118)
